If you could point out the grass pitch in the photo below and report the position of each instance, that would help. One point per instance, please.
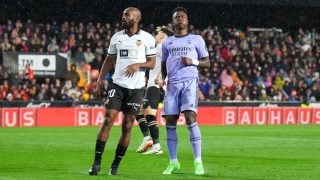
(229, 152)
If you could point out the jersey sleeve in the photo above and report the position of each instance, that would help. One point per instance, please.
(201, 47)
(151, 46)
(112, 50)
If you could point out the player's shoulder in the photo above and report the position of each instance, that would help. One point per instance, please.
(194, 36)
(168, 40)
(121, 32)
(117, 34)
(145, 34)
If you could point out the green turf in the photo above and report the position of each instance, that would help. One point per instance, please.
(232, 152)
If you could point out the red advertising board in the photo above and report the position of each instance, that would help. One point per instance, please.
(315, 114)
(275, 116)
(290, 115)
(307, 116)
(56, 117)
(31, 117)
(245, 116)
(210, 116)
(230, 115)
(10, 117)
(27, 117)
(97, 116)
(83, 116)
(260, 115)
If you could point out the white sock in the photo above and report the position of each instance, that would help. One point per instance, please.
(173, 160)
(146, 138)
(198, 160)
(156, 146)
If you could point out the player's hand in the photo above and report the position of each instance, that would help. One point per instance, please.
(162, 84)
(158, 80)
(131, 69)
(100, 85)
(186, 61)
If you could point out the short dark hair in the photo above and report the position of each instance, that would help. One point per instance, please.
(180, 9)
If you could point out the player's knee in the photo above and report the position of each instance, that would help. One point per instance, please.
(109, 118)
(126, 128)
(150, 118)
(190, 117)
(140, 117)
(107, 122)
(127, 124)
(150, 111)
(171, 120)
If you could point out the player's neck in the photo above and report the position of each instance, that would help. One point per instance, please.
(181, 32)
(132, 30)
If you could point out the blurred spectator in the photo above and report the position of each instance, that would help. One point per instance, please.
(5, 45)
(53, 47)
(79, 56)
(88, 55)
(64, 48)
(9, 97)
(97, 62)
(28, 73)
(73, 76)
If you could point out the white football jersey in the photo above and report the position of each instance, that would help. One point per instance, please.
(129, 50)
(153, 73)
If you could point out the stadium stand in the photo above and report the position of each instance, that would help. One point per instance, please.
(248, 63)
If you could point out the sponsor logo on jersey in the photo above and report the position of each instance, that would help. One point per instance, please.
(124, 53)
(138, 43)
(179, 51)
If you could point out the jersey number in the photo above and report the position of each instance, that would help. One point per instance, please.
(111, 92)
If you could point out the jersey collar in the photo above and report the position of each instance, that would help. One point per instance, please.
(137, 33)
(181, 36)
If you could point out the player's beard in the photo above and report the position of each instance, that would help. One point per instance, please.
(127, 25)
(180, 26)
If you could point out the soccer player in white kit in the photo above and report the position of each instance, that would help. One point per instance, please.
(147, 117)
(131, 52)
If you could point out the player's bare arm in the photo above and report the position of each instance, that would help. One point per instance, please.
(203, 62)
(164, 70)
(108, 64)
(133, 68)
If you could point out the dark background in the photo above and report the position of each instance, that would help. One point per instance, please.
(255, 13)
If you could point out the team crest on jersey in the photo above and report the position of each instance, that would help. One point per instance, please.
(138, 43)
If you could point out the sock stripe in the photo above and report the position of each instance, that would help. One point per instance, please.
(193, 125)
(152, 123)
(171, 127)
(142, 120)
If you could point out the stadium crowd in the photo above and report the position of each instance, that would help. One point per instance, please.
(251, 64)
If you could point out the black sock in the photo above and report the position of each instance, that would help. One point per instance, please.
(120, 152)
(153, 127)
(99, 151)
(143, 125)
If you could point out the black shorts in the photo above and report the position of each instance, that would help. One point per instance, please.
(152, 98)
(126, 100)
